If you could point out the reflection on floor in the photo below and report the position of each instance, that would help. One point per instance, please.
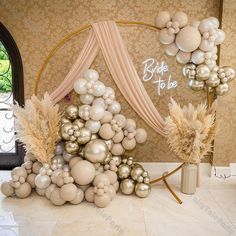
(211, 211)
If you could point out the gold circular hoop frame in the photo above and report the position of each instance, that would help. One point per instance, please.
(77, 32)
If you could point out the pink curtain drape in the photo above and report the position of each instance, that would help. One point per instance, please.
(106, 36)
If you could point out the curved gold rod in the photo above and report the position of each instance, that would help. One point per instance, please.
(73, 34)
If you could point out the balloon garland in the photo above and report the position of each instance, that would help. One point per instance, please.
(89, 161)
(196, 46)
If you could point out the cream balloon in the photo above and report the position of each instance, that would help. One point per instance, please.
(195, 24)
(183, 57)
(91, 75)
(114, 107)
(93, 126)
(68, 192)
(42, 181)
(118, 137)
(55, 197)
(107, 117)
(79, 197)
(188, 39)
(181, 18)
(103, 200)
(80, 86)
(99, 89)
(83, 172)
(49, 190)
(171, 49)
(214, 21)
(111, 175)
(206, 25)
(129, 144)
(165, 37)
(162, 18)
(86, 99)
(19, 171)
(198, 57)
(97, 112)
(31, 179)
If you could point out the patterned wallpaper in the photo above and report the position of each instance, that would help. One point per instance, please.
(37, 25)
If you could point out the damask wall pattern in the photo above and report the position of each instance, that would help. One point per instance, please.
(37, 25)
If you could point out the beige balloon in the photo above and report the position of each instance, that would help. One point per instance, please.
(106, 131)
(89, 195)
(183, 57)
(103, 200)
(116, 185)
(55, 197)
(171, 49)
(111, 191)
(165, 37)
(31, 179)
(19, 171)
(198, 57)
(141, 135)
(117, 149)
(7, 189)
(74, 160)
(79, 197)
(181, 18)
(23, 191)
(83, 172)
(68, 192)
(206, 45)
(107, 117)
(188, 39)
(101, 178)
(36, 167)
(162, 18)
(111, 175)
(118, 137)
(129, 144)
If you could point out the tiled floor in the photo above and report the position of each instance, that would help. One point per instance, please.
(211, 211)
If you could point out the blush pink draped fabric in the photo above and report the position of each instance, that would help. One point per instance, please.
(106, 36)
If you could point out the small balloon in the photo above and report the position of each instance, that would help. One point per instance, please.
(196, 85)
(181, 18)
(213, 80)
(198, 57)
(80, 86)
(222, 89)
(171, 49)
(220, 36)
(206, 45)
(127, 186)
(203, 72)
(183, 57)
(86, 99)
(91, 75)
(165, 37)
(162, 18)
(142, 190)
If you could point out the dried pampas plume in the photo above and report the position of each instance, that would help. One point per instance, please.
(190, 131)
(37, 126)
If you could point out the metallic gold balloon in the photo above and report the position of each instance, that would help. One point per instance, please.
(71, 147)
(109, 144)
(64, 120)
(64, 130)
(108, 158)
(229, 73)
(187, 69)
(202, 72)
(127, 186)
(196, 85)
(84, 136)
(222, 89)
(117, 160)
(71, 112)
(213, 80)
(79, 123)
(94, 136)
(123, 171)
(96, 151)
(136, 172)
(142, 190)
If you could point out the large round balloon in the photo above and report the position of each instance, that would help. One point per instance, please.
(188, 39)
(96, 151)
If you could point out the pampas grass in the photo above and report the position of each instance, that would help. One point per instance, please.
(190, 131)
(37, 126)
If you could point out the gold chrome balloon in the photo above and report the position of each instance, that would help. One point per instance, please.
(127, 186)
(196, 85)
(71, 112)
(202, 72)
(142, 190)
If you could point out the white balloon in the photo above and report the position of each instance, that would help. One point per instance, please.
(115, 107)
(99, 89)
(42, 181)
(220, 36)
(97, 112)
(99, 102)
(171, 49)
(183, 57)
(206, 45)
(86, 99)
(80, 86)
(205, 25)
(91, 75)
(214, 21)
(198, 57)
(93, 126)
(84, 112)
